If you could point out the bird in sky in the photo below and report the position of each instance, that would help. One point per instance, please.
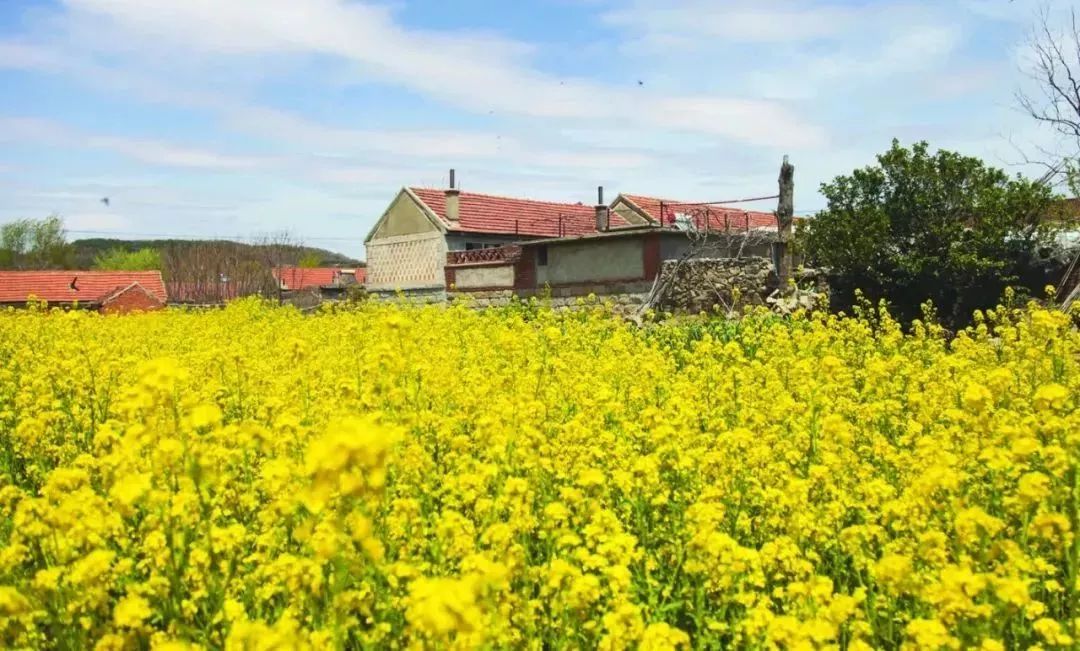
(105, 200)
(640, 83)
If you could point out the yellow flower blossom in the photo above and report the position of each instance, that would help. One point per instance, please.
(386, 475)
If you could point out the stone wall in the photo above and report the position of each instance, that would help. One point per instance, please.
(622, 298)
(730, 284)
(417, 296)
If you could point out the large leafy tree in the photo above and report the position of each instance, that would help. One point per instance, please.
(935, 226)
(34, 244)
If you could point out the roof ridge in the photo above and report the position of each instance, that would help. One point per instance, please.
(502, 196)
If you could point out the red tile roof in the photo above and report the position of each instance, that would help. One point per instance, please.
(484, 213)
(71, 286)
(718, 217)
(306, 277)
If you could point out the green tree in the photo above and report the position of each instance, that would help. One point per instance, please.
(35, 244)
(938, 226)
(120, 259)
(309, 260)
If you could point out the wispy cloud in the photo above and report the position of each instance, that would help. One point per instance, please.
(687, 22)
(154, 152)
(480, 73)
(264, 114)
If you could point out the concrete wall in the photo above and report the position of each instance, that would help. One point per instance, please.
(403, 217)
(626, 212)
(406, 262)
(486, 276)
(456, 241)
(592, 260)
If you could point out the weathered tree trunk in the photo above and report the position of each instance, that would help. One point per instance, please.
(785, 213)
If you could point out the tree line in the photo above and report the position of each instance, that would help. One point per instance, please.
(195, 271)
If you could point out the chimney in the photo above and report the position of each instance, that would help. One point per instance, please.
(603, 215)
(453, 203)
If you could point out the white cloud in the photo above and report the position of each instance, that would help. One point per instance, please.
(161, 153)
(96, 221)
(915, 49)
(154, 152)
(666, 22)
(730, 85)
(475, 72)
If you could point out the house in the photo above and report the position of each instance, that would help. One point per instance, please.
(407, 247)
(104, 291)
(297, 278)
(622, 255)
(325, 282)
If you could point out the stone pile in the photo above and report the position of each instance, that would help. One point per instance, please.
(728, 285)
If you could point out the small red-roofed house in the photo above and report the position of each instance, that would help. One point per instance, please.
(105, 291)
(323, 279)
(297, 278)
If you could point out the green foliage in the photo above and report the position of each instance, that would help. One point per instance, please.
(87, 250)
(1072, 177)
(938, 226)
(34, 244)
(119, 259)
(309, 260)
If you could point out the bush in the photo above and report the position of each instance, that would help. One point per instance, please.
(942, 227)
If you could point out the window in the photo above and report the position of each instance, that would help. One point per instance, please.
(541, 255)
(472, 246)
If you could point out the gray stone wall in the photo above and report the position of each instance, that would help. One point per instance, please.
(728, 284)
(420, 296)
(626, 300)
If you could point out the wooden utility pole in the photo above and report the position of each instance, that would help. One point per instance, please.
(785, 213)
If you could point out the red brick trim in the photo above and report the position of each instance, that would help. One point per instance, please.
(525, 269)
(650, 253)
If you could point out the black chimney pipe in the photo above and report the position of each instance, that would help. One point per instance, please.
(451, 178)
(599, 194)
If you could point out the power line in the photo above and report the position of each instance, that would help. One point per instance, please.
(176, 236)
(717, 203)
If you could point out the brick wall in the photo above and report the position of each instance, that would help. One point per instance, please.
(133, 299)
(525, 269)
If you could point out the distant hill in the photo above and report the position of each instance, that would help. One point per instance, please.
(87, 249)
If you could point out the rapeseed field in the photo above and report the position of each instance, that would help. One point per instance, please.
(428, 477)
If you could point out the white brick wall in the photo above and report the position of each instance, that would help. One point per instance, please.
(406, 262)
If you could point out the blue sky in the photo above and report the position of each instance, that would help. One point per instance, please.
(224, 118)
